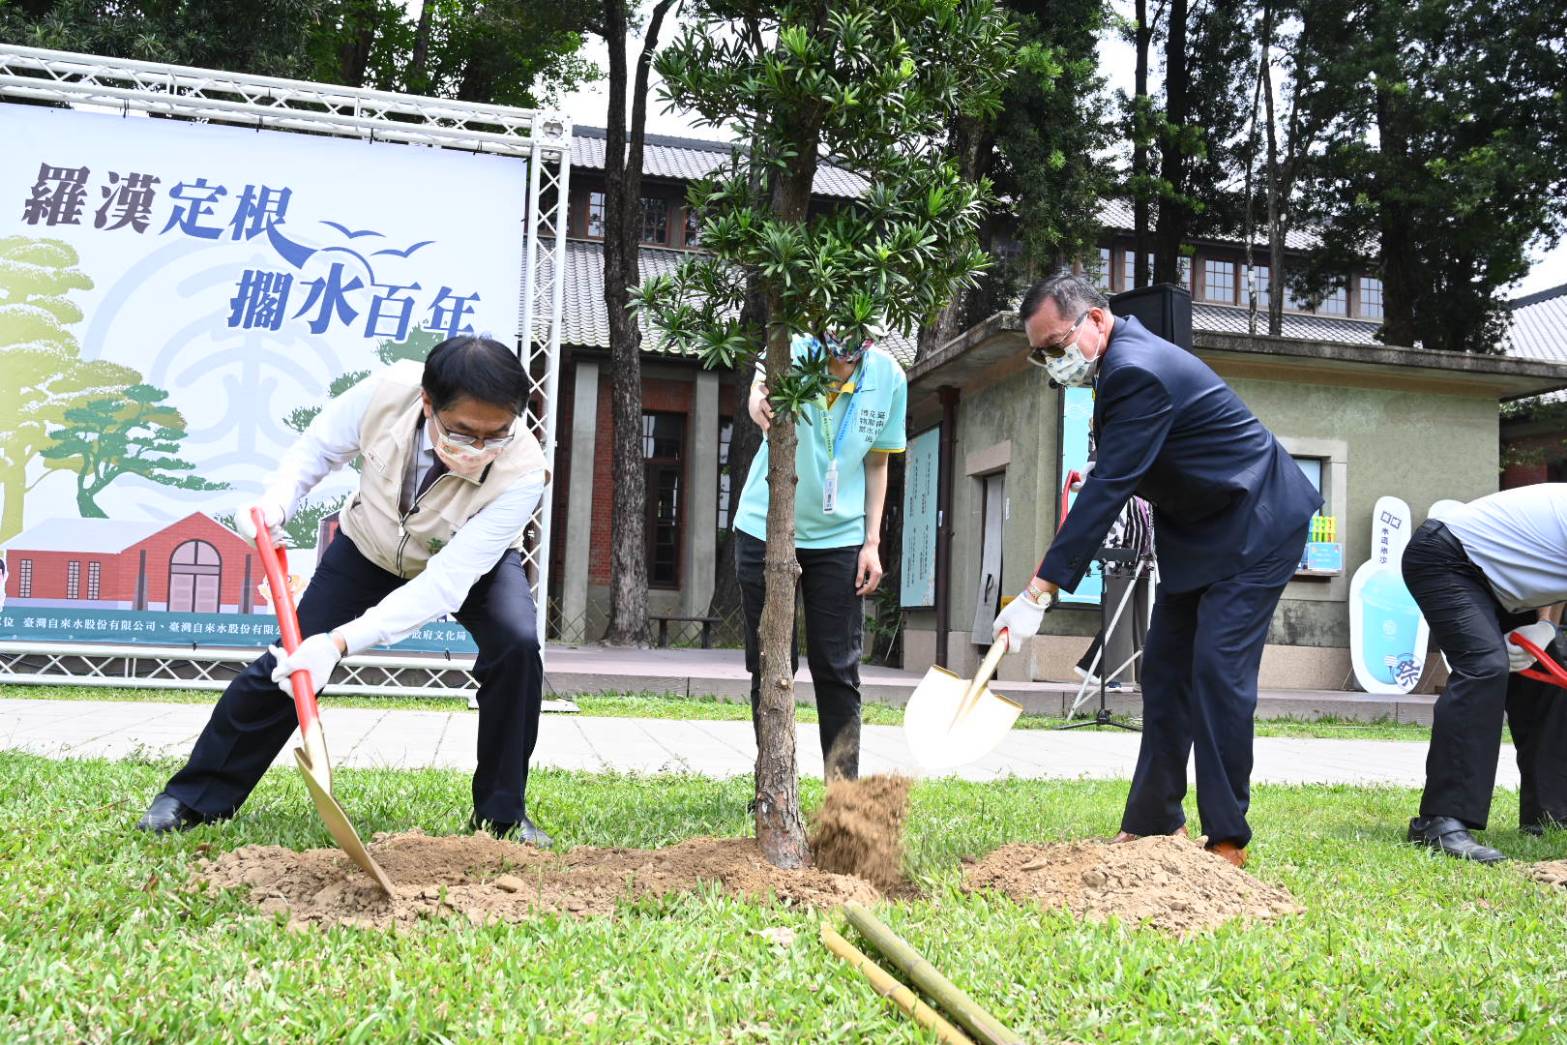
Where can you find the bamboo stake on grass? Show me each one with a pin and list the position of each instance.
(888, 987)
(985, 1027)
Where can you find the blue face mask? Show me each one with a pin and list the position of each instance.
(845, 352)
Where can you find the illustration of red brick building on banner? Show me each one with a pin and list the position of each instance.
(193, 565)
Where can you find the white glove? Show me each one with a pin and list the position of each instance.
(246, 526)
(318, 655)
(1541, 633)
(1021, 618)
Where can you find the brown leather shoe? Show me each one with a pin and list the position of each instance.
(1229, 851)
(1127, 836)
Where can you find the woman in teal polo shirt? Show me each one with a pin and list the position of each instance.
(841, 462)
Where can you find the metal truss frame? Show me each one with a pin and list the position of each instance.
(264, 102)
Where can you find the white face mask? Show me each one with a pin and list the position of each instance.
(1071, 368)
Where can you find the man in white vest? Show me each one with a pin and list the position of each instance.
(450, 479)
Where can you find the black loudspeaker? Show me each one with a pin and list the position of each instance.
(1164, 308)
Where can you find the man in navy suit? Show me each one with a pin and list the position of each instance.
(1231, 512)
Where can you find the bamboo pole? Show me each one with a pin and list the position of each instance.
(888, 987)
(985, 1027)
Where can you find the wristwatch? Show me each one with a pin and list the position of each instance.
(1037, 595)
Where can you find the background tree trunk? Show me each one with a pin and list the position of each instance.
(745, 438)
(419, 61)
(622, 238)
(1141, 276)
(1174, 214)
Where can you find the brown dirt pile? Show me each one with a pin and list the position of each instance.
(1170, 883)
(1548, 872)
(486, 879)
(859, 830)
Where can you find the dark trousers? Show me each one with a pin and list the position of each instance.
(834, 628)
(254, 719)
(1470, 627)
(1200, 692)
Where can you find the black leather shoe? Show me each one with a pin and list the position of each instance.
(522, 831)
(167, 814)
(1448, 835)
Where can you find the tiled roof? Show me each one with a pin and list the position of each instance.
(1539, 329)
(585, 321)
(1115, 213)
(1231, 319)
(665, 156)
(91, 536)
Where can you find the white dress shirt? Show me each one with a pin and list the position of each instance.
(329, 443)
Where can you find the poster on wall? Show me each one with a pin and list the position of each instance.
(177, 301)
(1077, 415)
(920, 520)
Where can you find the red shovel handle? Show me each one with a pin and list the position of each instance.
(1073, 478)
(1549, 670)
(274, 561)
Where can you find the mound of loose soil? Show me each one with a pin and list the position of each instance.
(1549, 872)
(1168, 882)
(859, 830)
(486, 879)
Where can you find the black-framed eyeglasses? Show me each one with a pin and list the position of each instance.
(1042, 356)
(500, 442)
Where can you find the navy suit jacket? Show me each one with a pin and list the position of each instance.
(1225, 493)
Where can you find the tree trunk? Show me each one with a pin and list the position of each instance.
(1275, 217)
(1249, 225)
(418, 64)
(622, 237)
(1144, 35)
(1398, 258)
(780, 828)
(1174, 214)
(354, 54)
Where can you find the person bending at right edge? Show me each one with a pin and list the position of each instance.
(1231, 512)
(1487, 571)
(451, 477)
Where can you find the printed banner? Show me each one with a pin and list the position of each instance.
(917, 572)
(1077, 415)
(177, 301)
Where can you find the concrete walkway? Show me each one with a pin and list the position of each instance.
(721, 673)
(440, 739)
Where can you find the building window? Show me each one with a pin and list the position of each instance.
(596, 215)
(73, 580)
(1129, 268)
(1311, 467)
(195, 570)
(1261, 272)
(1183, 271)
(1218, 281)
(693, 231)
(1336, 303)
(1370, 297)
(662, 435)
(1102, 270)
(1292, 296)
(655, 220)
(24, 579)
(94, 577)
(726, 431)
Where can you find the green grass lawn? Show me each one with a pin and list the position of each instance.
(101, 940)
(677, 706)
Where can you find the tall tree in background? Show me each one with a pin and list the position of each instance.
(1042, 150)
(1207, 56)
(1445, 160)
(622, 275)
(507, 52)
(872, 84)
(1142, 187)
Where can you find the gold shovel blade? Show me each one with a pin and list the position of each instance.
(942, 733)
(338, 824)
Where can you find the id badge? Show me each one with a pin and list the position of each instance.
(830, 490)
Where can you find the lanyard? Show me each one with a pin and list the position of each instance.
(843, 424)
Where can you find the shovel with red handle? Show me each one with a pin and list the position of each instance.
(1548, 671)
(311, 757)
